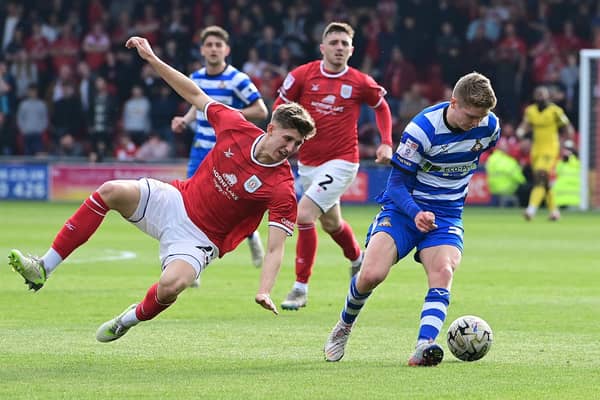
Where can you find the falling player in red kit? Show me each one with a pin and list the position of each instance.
(333, 93)
(201, 218)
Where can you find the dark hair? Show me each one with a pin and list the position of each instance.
(214, 30)
(294, 116)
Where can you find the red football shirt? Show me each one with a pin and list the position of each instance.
(231, 190)
(334, 102)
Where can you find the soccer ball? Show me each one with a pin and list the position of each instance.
(469, 338)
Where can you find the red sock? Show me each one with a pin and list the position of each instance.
(150, 307)
(78, 229)
(345, 238)
(306, 251)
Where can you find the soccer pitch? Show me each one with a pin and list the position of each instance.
(535, 283)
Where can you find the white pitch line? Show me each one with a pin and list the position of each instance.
(113, 255)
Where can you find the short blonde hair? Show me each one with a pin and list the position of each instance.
(475, 90)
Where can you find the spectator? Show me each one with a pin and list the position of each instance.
(567, 187)
(123, 28)
(398, 77)
(102, 115)
(65, 50)
(11, 52)
(149, 25)
(479, 51)
(95, 45)
(37, 46)
(7, 136)
(153, 149)
(25, 73)
(86, 87)
(68, 146)
(569, 79)
(268, 45)
(7, 91)
(412, 103)
(125, 69)
(32, 121)
(254, 67)
(66, 118)
(136, 116)
(504, 176)
(241, 43)
(126, 149)
(486, 19)
(14, 12)
(449, 52)
(163, 108)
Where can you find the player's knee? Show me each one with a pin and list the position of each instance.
(109, 191)
(371, 277)
(169, 290)
(305, 218)
(444, 274)
(331, 227)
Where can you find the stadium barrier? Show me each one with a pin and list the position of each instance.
(56, 181)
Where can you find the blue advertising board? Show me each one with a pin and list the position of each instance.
(23, 182)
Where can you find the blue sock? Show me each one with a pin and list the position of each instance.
(433, 314)
(354, 302)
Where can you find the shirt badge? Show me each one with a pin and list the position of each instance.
(477, 146)
(346, 91)
(385, 222)
(252, 184)
(228, 153)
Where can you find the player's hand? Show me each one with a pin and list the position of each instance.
(425, 221)
(143, 47)
(178, 124)
(265, 301)
(383, 154)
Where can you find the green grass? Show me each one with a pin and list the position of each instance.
(535, 283)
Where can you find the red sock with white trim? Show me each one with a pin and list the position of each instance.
(346, 240)
(150, 307)
(306, 251)
(82, 224)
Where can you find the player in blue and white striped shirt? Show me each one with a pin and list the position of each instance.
(422, 207)
(229, 86)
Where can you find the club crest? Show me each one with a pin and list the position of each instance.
(252, 184)
(477, 146)
(385, 222)
(346, 91)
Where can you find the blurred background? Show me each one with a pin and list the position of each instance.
(70, 54)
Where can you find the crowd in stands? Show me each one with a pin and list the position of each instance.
(68, 86)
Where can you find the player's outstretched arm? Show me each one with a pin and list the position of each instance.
(270, 268)
(256, 111)
(184, 86)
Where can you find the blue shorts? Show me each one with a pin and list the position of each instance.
(403, 230)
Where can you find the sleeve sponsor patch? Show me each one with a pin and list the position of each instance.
(288, 82)
(408, 150)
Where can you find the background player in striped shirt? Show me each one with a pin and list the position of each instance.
(226, 84)
(422, 207)
(200, 218)
(545, 120)
(333, 93)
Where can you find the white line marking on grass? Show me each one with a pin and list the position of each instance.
(109, 255)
